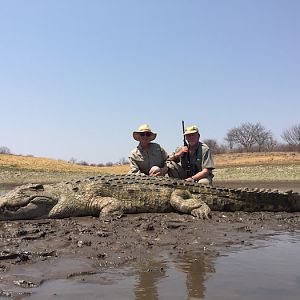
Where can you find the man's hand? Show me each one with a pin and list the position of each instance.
(156, 171)
(190, 179)
(182, 151)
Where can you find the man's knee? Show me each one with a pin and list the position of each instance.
(206, 181)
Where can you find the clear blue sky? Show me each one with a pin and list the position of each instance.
(78, 76)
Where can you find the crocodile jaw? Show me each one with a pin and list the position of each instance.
(34, 208)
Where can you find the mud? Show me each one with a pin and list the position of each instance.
(32, 252)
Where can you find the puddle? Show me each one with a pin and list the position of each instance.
(116, 288)
(270, 269)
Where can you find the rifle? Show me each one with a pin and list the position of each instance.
(186, 156)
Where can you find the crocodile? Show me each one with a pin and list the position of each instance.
(107, 195)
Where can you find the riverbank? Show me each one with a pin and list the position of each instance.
(79, 250)
(244, 167)
(33, 252)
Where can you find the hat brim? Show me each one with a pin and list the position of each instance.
(190, 132)
(136, 135)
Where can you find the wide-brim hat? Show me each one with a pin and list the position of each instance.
(191, 129)
(143, 128)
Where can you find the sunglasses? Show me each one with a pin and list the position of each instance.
(145, 134)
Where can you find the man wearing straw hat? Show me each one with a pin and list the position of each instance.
(192, 162)
(147, 158)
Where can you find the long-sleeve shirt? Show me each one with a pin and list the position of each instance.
(201, 159)
(141, 161)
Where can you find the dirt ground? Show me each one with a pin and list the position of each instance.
(32, 252)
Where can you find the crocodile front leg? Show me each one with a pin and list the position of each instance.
(185, 202)
(202, 212)
(94, 206)
(107, 206)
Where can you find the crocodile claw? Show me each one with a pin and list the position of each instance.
(202, 212)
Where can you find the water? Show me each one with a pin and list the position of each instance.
(268, 270)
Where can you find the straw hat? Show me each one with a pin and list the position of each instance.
(191, 129)
(141, 129)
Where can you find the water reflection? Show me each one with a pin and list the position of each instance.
(167, 277)
(146, 286)
(196, 267)
(269, 270)
(178, 278)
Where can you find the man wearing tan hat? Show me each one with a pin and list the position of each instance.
(147, 158)
(192, 162)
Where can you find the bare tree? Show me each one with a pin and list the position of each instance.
(270, 144)
(247, 136)
(222, 148)
(123, 161)
(292, 136)
(242, 136)
(215, 147)
(230, 138)
(4, 150)
(72, 160)
(211, 143)
(261, 136)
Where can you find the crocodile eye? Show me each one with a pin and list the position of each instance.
(37, 187)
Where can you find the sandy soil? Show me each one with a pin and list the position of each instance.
(32, 252)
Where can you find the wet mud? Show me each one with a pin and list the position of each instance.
(33, 252)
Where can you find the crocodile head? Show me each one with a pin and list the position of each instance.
(26, 202)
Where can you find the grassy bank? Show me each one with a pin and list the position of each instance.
(235, 166)
(258, 166)
(27, 163)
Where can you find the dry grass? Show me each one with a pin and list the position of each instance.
(221, 161)
(276, 166)
(234, 166)
(51, 165)
(254, 159)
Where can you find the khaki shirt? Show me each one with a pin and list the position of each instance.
(201, 159)
(141, 161)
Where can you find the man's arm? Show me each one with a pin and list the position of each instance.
(134, 168)
(202, 174)
(175, 156)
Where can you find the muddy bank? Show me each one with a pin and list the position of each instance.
(32, 252)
